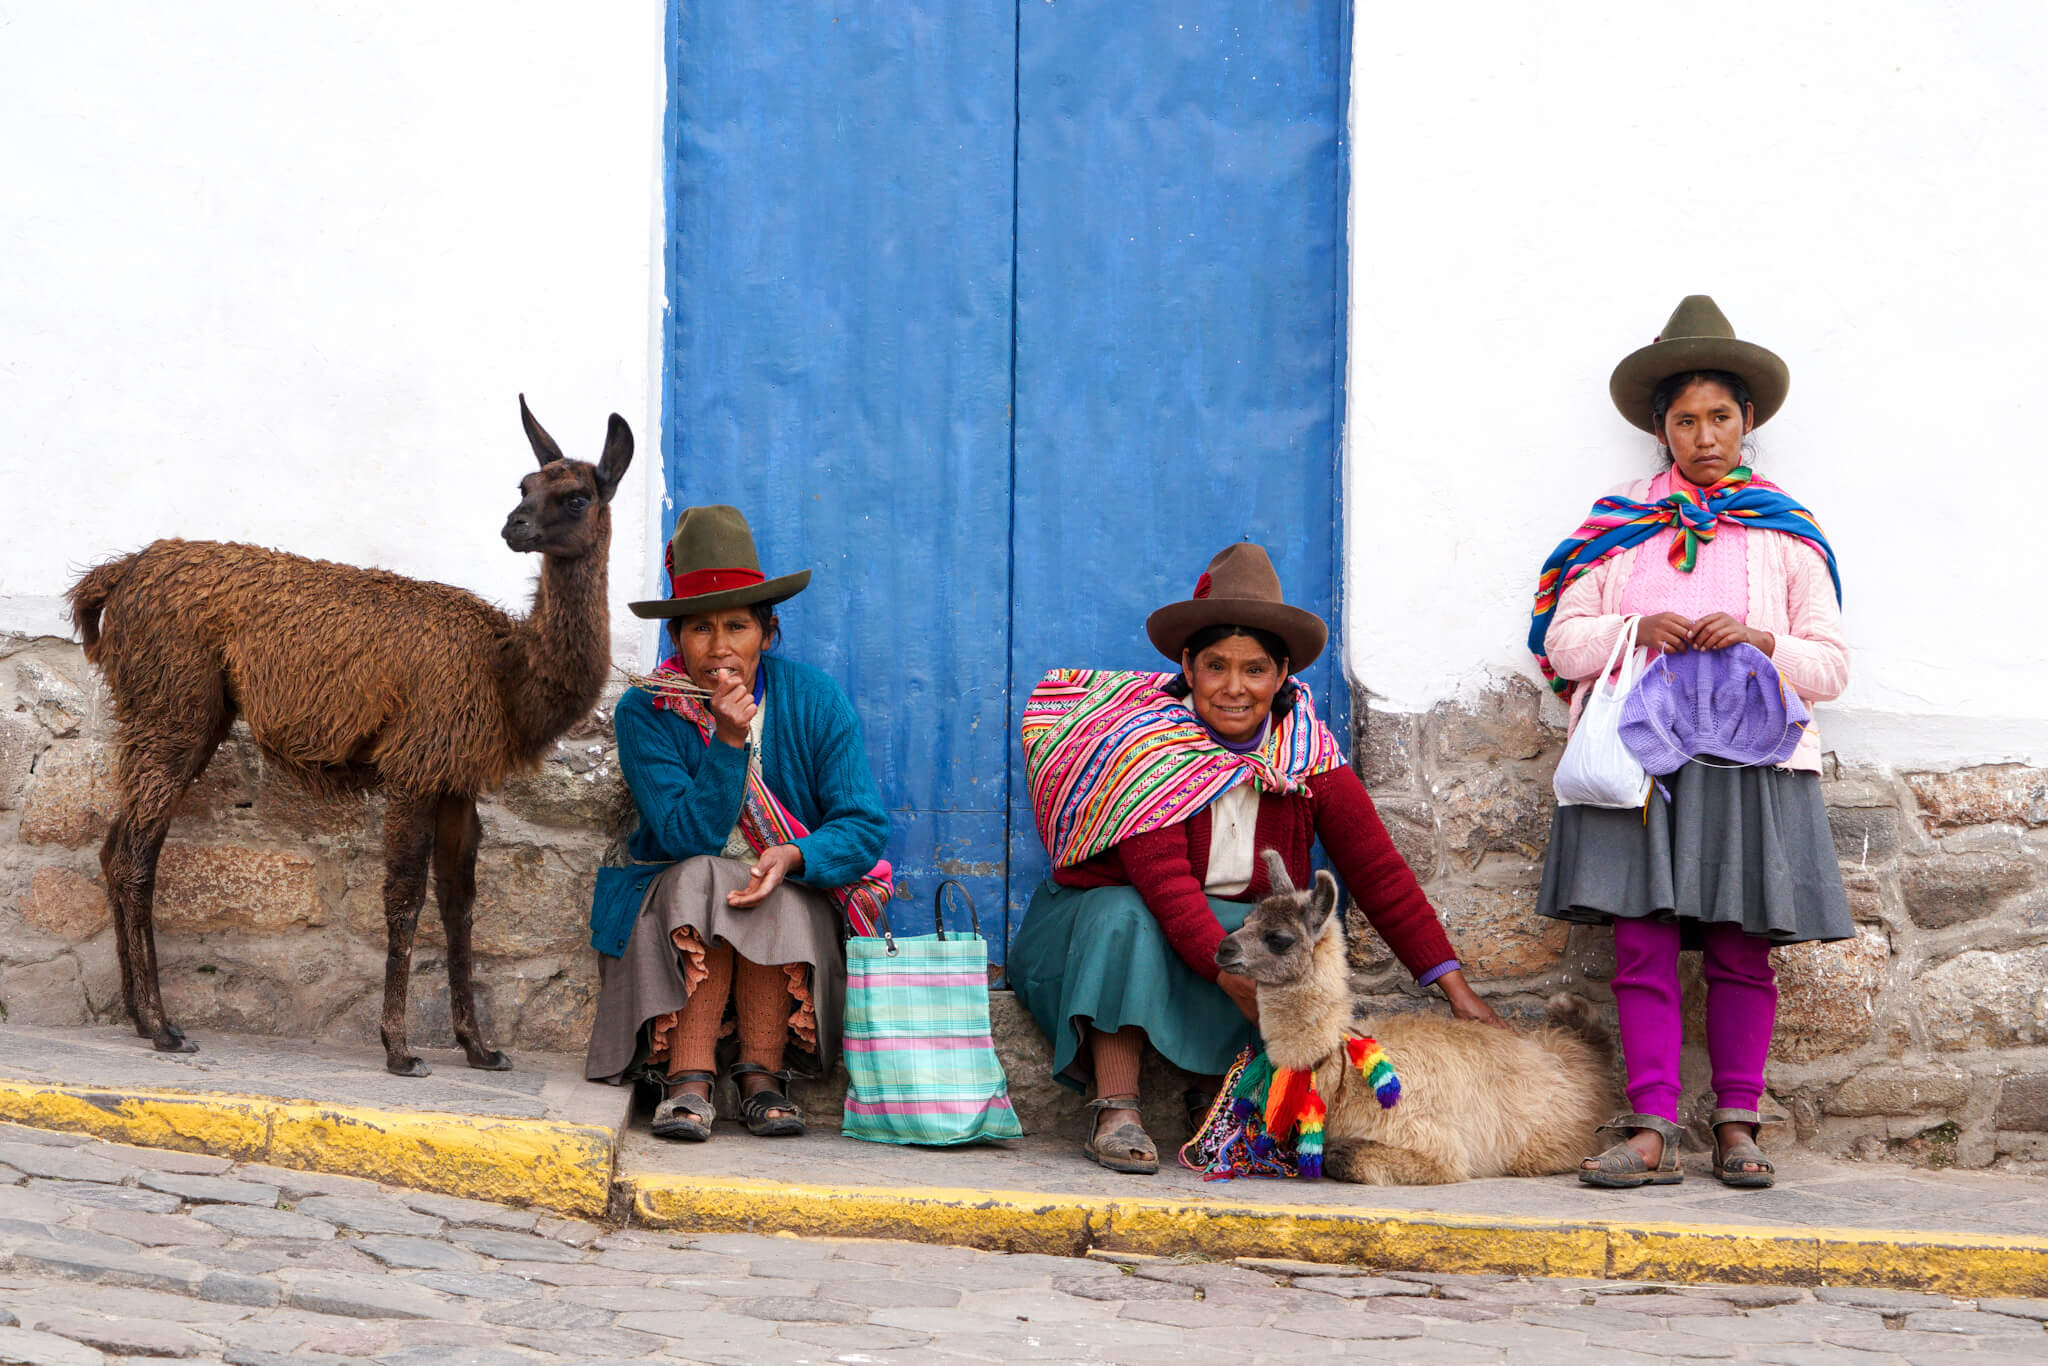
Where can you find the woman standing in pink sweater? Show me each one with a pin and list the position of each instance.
(1729, 859)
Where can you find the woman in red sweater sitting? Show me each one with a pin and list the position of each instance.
(1153, 794)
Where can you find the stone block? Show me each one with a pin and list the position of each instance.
(1865, 834)
(1492, 922)
(208, 887)
(370, 1215)
(128, 1337)
(532, 900)
(1994, 793)
(2023, 1104)
(43, 993)
(1503, 722)
(45, 1349)
(1891, 1090)
(1411, 824)
(1386, 746)
(21, 740)
(58, 702)
(251, 1221)
(1984, 999)
(66, 904)
(226, 785)
(556, 1014)
(578, 787)
(1827, 995)
(363, 1298)
(71, 796)
(1497, 811)
(1948, 889)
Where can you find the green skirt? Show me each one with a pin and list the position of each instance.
(1099, 957)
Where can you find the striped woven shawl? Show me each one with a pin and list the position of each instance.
(1108, 755)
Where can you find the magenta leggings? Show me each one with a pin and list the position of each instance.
(1742, 1006)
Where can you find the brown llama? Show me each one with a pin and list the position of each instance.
(1476, 1101)
(351, 678)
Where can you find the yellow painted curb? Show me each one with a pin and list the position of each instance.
(566, 1167)
(1406, 1240)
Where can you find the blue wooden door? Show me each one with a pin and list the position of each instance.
(1003, 317)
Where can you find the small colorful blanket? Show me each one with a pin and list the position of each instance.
(766, 822)
(1268, 1121)
(1108, 755)
(1617, 523)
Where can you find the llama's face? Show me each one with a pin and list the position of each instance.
(1276, 945)
(562, 508)
(559, 511)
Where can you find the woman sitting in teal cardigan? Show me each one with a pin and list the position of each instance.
(760, 827)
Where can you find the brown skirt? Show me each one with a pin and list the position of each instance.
(683, 911)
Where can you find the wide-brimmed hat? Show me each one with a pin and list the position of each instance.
(1239, 589)
(712, 566)
(1698, 337)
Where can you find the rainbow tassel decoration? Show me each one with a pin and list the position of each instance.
(1274, 1122)
(1378, 1070)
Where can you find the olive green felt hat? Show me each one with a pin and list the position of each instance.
(1240, 588)
(712, 565)
(1698, 337)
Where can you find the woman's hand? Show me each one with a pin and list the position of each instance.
(1465, 1002)
(1719, 630)
(1241, 990)
(776, 863)
(1667, 633)
(732, 707)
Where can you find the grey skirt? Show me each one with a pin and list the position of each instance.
(796, 924)
(1740, 846)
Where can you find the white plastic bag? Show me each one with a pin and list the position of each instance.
(1597, 768)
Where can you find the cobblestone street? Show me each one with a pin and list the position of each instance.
(114, 1252)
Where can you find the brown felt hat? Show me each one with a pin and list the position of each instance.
(1698, 337)
(712, 565)
(1239, 589)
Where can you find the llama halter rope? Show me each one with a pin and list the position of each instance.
(1268, 1121)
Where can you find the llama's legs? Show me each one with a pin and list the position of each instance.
(457, 832)
(1376, 1164)
(408, 846)
(153, 777)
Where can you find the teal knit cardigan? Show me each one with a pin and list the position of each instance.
(688, 791)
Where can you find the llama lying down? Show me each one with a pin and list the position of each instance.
(1474, 1101)
(351, 678)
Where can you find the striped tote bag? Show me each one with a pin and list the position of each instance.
(920, 1064)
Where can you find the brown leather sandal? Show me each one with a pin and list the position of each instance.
(1732, 1162)
(1621, 1167)
(685, 1116)
(1127, 1148)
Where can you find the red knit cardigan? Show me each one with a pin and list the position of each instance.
(1167, 867)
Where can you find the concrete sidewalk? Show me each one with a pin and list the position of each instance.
(541, 1136)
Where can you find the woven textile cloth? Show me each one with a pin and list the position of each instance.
(1108, 755)
(1616, 523)
(921, 1067)
(766, 822)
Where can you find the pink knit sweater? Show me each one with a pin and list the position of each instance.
(1790, 596)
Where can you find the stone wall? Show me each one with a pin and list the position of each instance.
(1925, 1037)
(269, 907)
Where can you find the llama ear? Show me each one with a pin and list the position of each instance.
(543, 445)
(618, 453)
(1276, 871)
(1322, 902)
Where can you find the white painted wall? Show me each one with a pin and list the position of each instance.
(1860, 186)
(277, 272)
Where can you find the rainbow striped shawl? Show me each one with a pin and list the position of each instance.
(766, 822)
(1107, 755)
(1616, 523)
